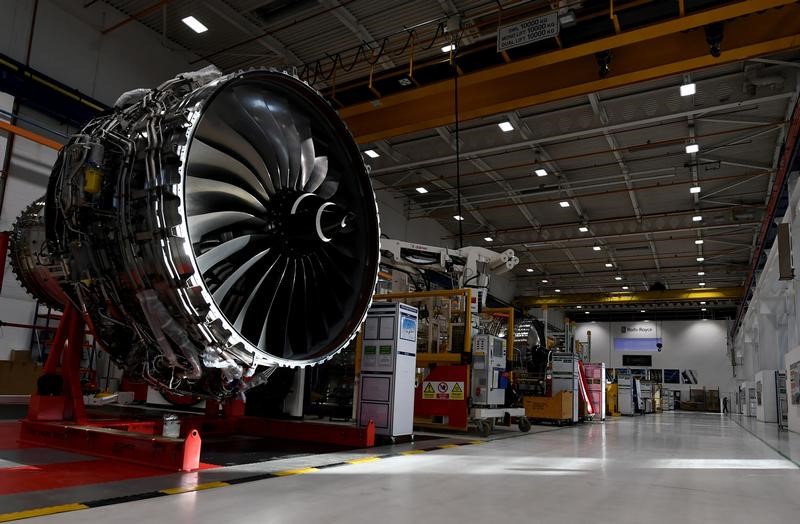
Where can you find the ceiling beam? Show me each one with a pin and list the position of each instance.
(655, 51)
(670, 295)
(244, 25)
(661, 119)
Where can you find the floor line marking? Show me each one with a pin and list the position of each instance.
(39, 512)
(64, 508)
(197, 487)
(364, 460)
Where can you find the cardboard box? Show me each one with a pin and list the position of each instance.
(20, 355)
(557, 407)
(18, 378)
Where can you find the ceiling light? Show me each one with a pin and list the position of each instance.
(609, 264)
(506, 126)
(421, 190)
(458, 217)
(529, 270)
(587, 312)
(701, 284)
(694, 190)
(404, 81)
(448, 48)
(488, 239)
(617, 278)
(688, 89)
(583, 229)
(625, 288)
(692, 148)
(563, 203)
(702, 309)
(643, 311)
(702, 303)
(194, 24)
(699, 242)
(697, 218)
(596, 248)
(701, 273)
(579, 307)
(371, 153)
(558, 291)
(541, 172)
(544, 281)
(700, 259)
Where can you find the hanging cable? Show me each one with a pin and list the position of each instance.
(460, 219)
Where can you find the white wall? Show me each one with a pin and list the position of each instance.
(700, 345)
(794, 409)
(771, 326)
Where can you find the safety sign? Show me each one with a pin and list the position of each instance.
(443, 390)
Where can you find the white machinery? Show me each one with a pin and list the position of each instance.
(629, 393)
(596, 378)
(489, 384)
(566, 377)
(488, 365)
(767, 395)
(388, 369)
(468, 266)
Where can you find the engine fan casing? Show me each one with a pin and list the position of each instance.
(213, 230)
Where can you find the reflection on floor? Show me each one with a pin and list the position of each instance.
(660, 468)
(784, 442)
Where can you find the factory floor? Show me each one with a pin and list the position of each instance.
(672, 467)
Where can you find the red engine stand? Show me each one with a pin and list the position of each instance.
(57, 415)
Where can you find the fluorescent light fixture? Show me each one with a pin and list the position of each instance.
(505, 127)
(558, 291)
(692, 148)
(541, 172)
(617, 278)
(701, 273)
(545, 281)
(579, 307)
(643, 311)
(421, 190)
(563, 203)
(448, 48)
(583, 229)
(701, 284)
(694, 190)
(488, 239)
(587, 312)
(702, 303)
(194, 24)
(697, 218)
(699, 242)
(609, 264)
(688, 89)
(625, 288)
(458, 217)
(700, 259)
(529, 270)
(371, 153)
(702, 309)
(596, 248)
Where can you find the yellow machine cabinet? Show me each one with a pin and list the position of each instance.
(612, 404)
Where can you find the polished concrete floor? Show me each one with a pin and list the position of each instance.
(659, 468)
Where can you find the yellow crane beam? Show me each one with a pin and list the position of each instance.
(752, 28)
(642, 297)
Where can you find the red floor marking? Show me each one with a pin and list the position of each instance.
(52, 476)
(9, 433)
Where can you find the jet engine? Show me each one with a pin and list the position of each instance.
(209, 231)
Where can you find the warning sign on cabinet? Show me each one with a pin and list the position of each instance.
(443, 390)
